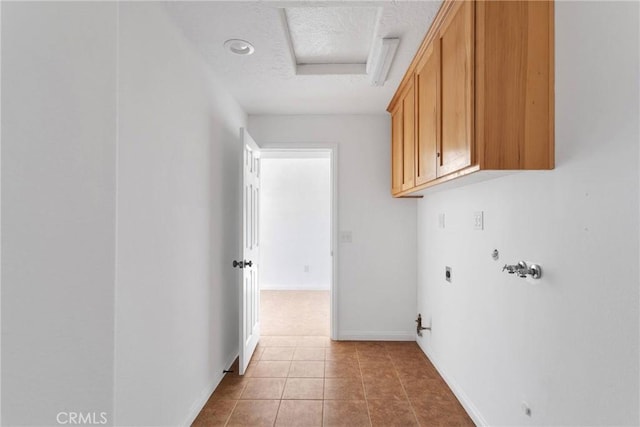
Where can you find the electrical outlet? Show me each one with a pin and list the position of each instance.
(346, 237)
(478, 220)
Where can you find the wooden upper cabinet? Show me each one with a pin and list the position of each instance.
(479, 95)
(403, 142)
(514, 78)
(428, 114)
(409, 134)
(456, 44)
(397, 157)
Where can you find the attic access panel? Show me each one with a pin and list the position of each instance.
(331, 40)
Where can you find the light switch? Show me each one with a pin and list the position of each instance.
(441, 220)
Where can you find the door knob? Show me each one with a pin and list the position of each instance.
(242, 264)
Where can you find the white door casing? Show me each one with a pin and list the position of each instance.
(331, 148)
(250, 285)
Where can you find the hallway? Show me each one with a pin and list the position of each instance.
(125, 130)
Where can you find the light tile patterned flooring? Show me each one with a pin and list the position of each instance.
(294, 312)
(313, 381)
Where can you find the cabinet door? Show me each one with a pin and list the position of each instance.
(456, 46)
(428, 114)
(408, 139)
(397, 160)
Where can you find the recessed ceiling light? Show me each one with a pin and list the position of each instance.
(239, 47)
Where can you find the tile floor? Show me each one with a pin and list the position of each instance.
(313, 381)
(294, 312)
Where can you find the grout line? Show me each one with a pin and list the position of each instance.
(322, 409)
(230, 413)
(413, 411)
(275, 420)
(364, 389)
(324, 385)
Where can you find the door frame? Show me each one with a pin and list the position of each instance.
(332, 149)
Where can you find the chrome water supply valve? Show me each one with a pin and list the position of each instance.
(523, 270)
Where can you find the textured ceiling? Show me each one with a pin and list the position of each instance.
(266, 82)
(331, 35)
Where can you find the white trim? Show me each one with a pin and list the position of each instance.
(374, 36)
(268, 287)
(287, 37)
(1, 219)
(206, 392)
(322, 3)
(295, 154)
(466, 403)
(331, 69)
(333, 149)
(377, 336)
(116, 223)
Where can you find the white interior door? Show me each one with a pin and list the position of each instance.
(250, 286)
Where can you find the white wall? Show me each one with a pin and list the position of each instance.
(376, 272)
(58, 204)
(120, 207)
(295, 223)
(178, 170)
(568, 343)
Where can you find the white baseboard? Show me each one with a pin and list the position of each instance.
(376, 336)
(466, 403)
(206, 393)
(293, 288)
